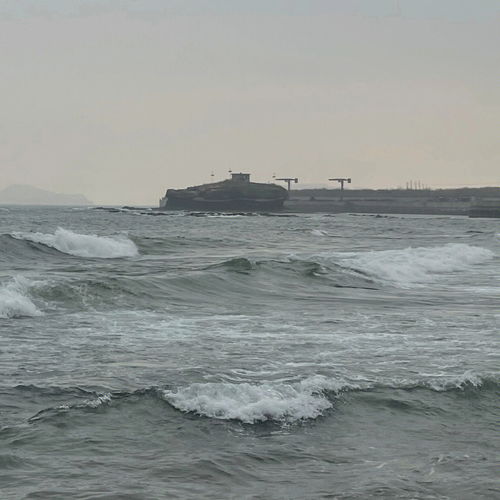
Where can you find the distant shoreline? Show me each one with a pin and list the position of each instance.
(474, 202)
(23, 194)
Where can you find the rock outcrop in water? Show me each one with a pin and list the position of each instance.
(237, 193)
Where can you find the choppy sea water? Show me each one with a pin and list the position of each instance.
(247, 356)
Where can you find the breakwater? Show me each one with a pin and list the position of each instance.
(467, 201)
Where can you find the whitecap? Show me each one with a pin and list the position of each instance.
(84, 245)
(14, 300)
(319, 232)
(252, 403)
(100, 400)
(415, 265)
(439, 382)
(467, 379)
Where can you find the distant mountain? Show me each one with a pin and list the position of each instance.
(22, 194)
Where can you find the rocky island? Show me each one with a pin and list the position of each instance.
(235, 194)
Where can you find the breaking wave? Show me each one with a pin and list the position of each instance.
(319, 232)
(416, 265)
(463, 382)
(14, 300)
(83, 245)
(89, 404)
(251, 403)
(308, 399)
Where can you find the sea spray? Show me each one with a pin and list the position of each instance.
(251, 403)
(413, 265)
(14, 299)
(84, 245)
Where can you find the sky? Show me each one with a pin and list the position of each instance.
(122, 99)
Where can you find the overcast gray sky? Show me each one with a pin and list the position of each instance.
(120, 99)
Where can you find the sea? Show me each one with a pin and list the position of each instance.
(177, 355)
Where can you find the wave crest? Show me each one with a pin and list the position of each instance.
(308, 399)
(464, 382)
(251, 403)
(83, 245)
(416, 265)
(14, 300)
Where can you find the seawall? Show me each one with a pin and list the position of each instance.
(465, 201)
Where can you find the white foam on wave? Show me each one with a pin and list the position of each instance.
(252, 403)
(14, 300)
(467, 379)
(437, 383)
(416, 265)
(281, 402)
(100, 400)
(318, 232)
(84, 245)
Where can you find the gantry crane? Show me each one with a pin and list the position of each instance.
(288, 180)
(341, 180)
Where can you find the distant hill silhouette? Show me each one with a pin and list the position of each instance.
(22, 194)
